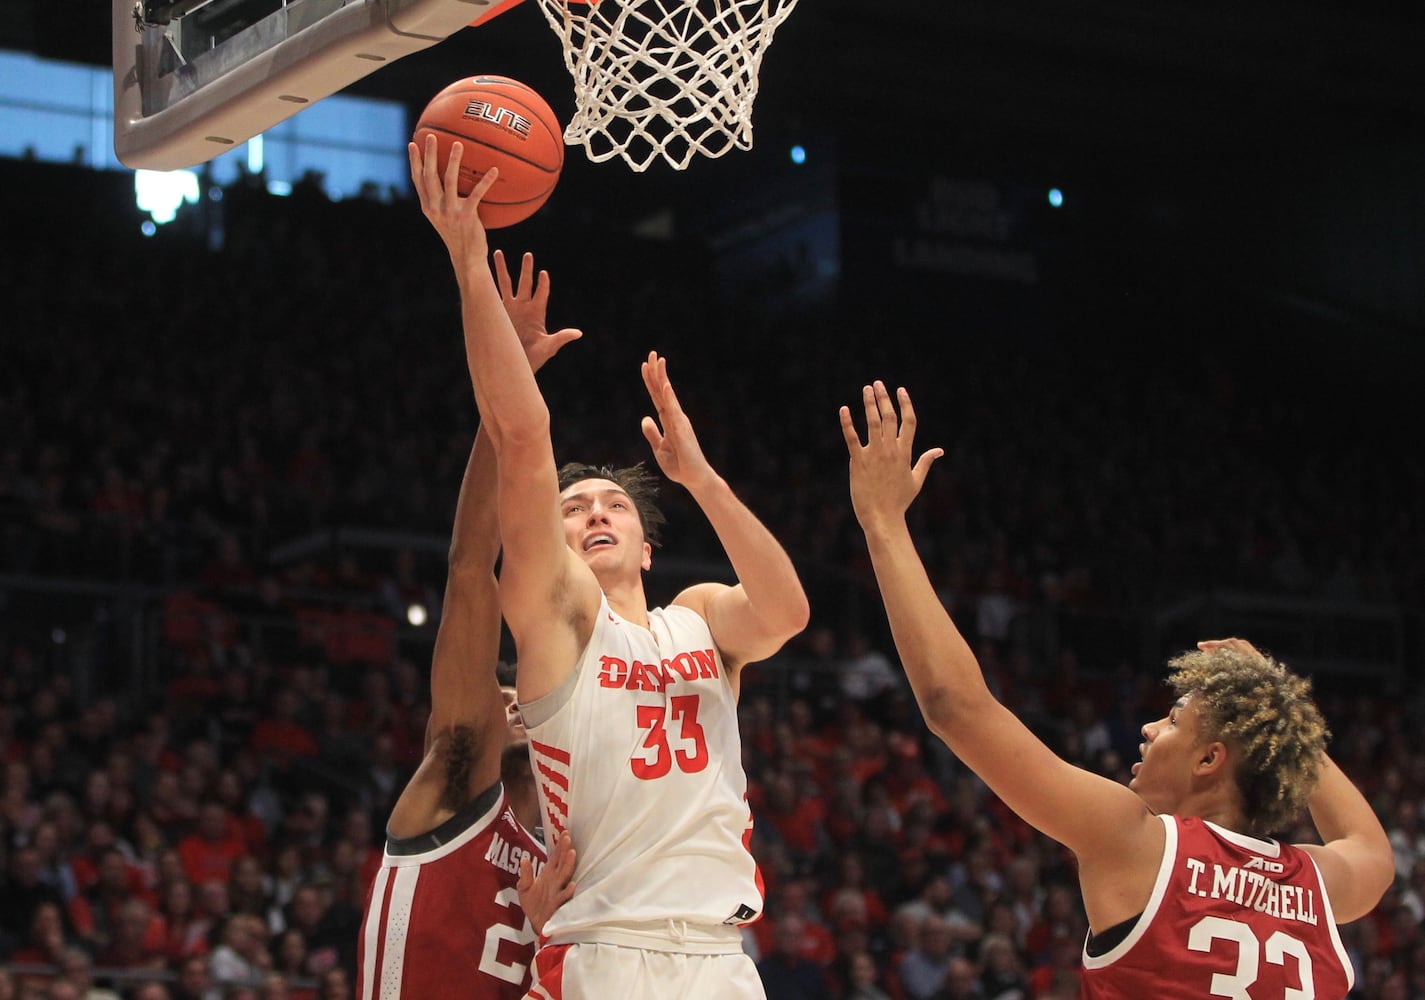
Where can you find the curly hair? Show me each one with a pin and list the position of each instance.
(635, 480)
(1266, 713)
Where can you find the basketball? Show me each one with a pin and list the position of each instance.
(500, 123)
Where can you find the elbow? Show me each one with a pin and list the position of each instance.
(470, 565)
(945, 711)
(798, 614)
(528, 430)
(938, 706)
(1381, 875)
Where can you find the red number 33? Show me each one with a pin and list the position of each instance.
(691, 751)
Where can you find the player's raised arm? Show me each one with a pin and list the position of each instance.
(537, 559)
(467, 723)
(1091, 815)
(768, 606)
(466, 730)
(1356, 860)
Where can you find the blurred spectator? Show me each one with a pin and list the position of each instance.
(864, 979)
(329, 927)
(358, 828)
(1062, 963)
(962, 981)
(1406, 836)
(250, 888)
(137, 939)
(22, 891)
(335, 984)
(186, 928)
(289, 953)
(865, 674)
(209, 851)
(78, 968)
(787, 974)
(1060, 918)
(924, 967)
(195, 982)
(793, 901)
(150, 989)
(241, 957)
(796, 819)
(96, 913)
(18, 806)
(1002, 974)
(45, 942)
(280, 738)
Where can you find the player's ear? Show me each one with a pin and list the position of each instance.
(647, 557)
(1213, 759)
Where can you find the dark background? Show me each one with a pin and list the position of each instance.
(1275, 148)
(1235, 281)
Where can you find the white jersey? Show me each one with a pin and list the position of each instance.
(637, 754)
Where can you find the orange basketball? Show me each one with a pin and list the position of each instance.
(500, 123)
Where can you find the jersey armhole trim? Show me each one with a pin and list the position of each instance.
(1330, 918)
(1145, 919)
(465, 824)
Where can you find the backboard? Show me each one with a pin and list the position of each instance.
(193, 78)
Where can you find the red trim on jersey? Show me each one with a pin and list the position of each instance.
(552, 777)
(557, 777)
(756, 868)
(549, 972)
(551, 751)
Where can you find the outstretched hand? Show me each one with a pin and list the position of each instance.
(527, 303)
(675, 446)
(541, 896)
(456, 217)
(883, 480)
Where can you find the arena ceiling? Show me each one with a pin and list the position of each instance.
(1046, 78)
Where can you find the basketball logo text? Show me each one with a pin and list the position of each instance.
(503, 117)
(639, 676)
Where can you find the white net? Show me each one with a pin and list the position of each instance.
(669, 78)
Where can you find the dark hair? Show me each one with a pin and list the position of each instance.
(640, 485)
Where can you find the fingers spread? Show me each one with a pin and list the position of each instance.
(484, 183)
(848, 430)
(502, 275)
(873, 412)
(452, 165)
(907, 415)
(886, 408)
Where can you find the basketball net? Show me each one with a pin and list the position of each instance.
(669, 78)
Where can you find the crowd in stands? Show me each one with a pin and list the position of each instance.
(198, 815)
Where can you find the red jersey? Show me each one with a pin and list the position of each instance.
(1230, 916)
(443, 918)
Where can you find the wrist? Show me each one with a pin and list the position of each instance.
(707, 487)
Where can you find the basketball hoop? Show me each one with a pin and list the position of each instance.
(669, 78)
